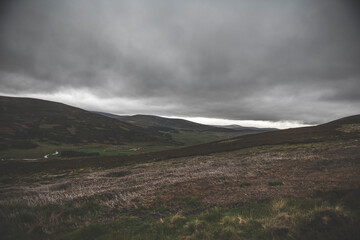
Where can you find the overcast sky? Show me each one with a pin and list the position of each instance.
(272, 60)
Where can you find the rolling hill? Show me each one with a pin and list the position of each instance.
(25, 121)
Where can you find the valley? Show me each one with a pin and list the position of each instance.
(271, 185)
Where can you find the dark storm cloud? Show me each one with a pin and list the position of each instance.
(272, 60)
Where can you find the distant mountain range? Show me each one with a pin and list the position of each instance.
(238, 127)
(151, 121)
(171, 124)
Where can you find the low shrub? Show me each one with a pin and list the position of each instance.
(275, 183)
(244, 184)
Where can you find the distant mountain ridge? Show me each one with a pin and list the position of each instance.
(152, 121)
(156, 121)
(238, 127)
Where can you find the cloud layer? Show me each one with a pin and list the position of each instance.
(260, 60)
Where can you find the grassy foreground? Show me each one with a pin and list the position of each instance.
(330, 215)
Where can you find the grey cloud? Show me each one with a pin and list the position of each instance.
(269, 60)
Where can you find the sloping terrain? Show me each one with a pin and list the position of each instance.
(291, 184)
(23, 120)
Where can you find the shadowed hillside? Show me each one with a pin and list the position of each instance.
(25, 119)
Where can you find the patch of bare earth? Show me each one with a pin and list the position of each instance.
(213, 179)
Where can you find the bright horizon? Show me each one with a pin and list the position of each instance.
(244, 123)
